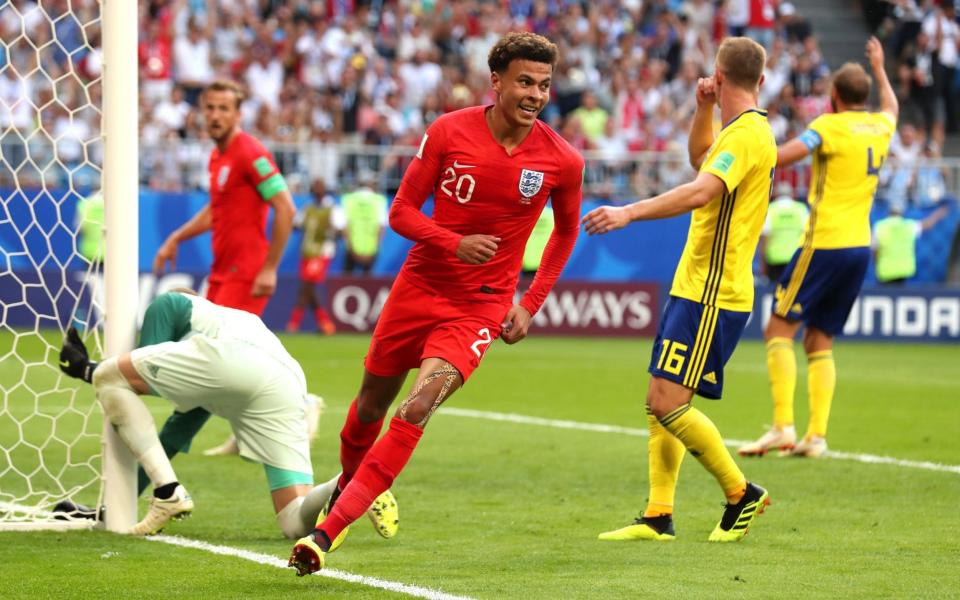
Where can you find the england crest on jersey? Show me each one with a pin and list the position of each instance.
(222, 176)
(530, 182)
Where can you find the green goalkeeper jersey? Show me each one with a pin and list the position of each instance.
(167, 319)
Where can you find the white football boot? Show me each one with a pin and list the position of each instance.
(774, 439)
(811, 446)
(162, 511)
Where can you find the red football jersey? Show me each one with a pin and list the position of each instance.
(240, 179)
(480, 189)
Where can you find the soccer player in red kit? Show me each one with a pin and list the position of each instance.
(244, 184)
(490, 170)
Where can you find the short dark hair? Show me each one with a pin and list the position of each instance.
(227, 85)
(742, 60)
(521, 45)
(852, 83)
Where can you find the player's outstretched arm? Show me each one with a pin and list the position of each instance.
(794, 150)
(167, 253)
(680, 200)
(888, 99)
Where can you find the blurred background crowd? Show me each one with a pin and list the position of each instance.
(336, 83)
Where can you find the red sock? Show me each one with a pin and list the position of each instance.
(376, 474)
(356, 439)
(296, 317)
(321, 315)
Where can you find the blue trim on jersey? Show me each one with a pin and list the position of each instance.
(811, 139)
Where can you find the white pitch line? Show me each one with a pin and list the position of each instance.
(601, 428)
(272, 561)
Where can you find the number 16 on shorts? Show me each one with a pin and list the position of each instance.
(672, 356)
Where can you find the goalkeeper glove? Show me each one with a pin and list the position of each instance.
(74, 360)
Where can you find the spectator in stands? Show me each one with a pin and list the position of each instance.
(923, 91)
(763, 16)
(156, 60)
(191, 61)
(737, 14)
(172, 112)
(592, 117)
(795, 27)
(940, 27)
(930, 185)
(264, 77)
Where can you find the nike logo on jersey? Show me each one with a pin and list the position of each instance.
(457, 165)
(64, 363)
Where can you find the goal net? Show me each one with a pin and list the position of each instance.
(51, 259)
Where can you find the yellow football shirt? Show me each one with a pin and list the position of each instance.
(716, 268)
(848, 150)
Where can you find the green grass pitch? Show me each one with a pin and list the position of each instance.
(506, 510)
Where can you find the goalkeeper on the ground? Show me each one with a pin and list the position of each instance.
(197, 354)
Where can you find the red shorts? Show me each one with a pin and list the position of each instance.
(417, 324)
(314, 269)
(236, 294)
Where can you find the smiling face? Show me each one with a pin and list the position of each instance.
(522, 91)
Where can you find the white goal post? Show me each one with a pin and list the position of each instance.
(55, 445)
(121, 265)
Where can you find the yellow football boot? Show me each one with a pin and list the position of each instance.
(659, 529)
(738, 517)
(385, 515)
(306, 557)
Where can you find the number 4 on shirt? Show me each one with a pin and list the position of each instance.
(871, 168)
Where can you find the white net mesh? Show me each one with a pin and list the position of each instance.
(50, 248)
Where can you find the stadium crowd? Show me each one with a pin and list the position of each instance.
(323, 76)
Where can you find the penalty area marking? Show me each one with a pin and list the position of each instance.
(636, 432)
(272, 561)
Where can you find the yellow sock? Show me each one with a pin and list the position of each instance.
(782, 366)
(821, 381)
(701, 437)
(665, 453)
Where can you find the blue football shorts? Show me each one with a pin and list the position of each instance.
(694, 342)
(819, 287)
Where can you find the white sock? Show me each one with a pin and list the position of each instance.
(289, 520)
(133, 422)
(299, 516)
(315, 500)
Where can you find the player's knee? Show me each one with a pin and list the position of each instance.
(417, 408)
(660, 401)
(816, 340)
(107, 379)
(370, 409)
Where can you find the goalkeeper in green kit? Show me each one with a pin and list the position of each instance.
(197, 354)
